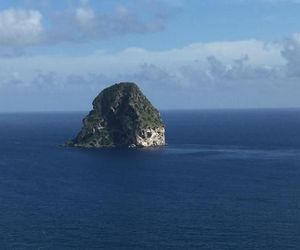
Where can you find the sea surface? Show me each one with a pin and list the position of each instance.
(227, 180)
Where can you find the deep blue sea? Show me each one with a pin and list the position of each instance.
(227, 180)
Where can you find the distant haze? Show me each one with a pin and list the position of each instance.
(184, 54)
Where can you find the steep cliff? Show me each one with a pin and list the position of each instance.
(121, 116)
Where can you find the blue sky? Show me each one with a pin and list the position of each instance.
(184, 54)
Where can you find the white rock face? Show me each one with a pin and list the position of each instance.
(151, 137)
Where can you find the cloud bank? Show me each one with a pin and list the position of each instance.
(249, 71)
(20, 27)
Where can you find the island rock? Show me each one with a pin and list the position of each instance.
(121, 116)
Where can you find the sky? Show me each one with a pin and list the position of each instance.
(57, 55)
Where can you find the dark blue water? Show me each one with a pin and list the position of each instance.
(227, 180)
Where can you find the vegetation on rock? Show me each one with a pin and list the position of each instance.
(121, 116)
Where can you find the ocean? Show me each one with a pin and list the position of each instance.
(226, 180)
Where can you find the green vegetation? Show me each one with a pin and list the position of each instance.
(119, 113)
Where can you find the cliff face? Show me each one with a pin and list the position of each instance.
(121, 116)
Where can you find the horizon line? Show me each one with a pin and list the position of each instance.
(160, 110)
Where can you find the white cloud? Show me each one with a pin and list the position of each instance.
(20, 27)
(85, 15)
(80, 23)
(190, 66)
(291, 53)
(84, 24)
(251, 71)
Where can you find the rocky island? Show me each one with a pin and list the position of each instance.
(122, 116)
